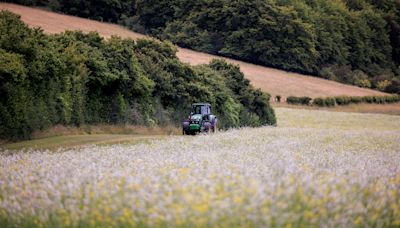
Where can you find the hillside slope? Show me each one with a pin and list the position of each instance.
(275, 82)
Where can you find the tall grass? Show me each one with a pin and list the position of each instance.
(308, 171)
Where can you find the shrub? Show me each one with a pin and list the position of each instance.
(368, 99)
(324, 102)
(345, 100)
(342, 100)
(363, 83)
(379, 99)
(356, 100)
(394, 98)
(319, 102)
(330, 101)
(298, 100)
(382, 85)
(387, 99)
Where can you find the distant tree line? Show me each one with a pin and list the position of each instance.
(350, 41)
(74, 78)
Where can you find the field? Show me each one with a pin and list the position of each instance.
(273, 81)
(390, 109)
(316, 168)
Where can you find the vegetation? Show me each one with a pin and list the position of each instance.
(315, 168)
(345, 100)
(74, 78)
(298, 100)
(72, 141)
(324, 102)
(350, 41)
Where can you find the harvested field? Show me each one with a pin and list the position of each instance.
(390, 109)
(273, 81)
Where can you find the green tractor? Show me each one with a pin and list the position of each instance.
(200, 120)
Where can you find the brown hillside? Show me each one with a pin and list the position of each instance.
(270, 80)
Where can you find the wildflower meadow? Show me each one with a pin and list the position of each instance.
(315, 168)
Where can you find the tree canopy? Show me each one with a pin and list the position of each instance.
(350, 41)
(75, 78)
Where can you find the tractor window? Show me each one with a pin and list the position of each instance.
(205, 110)
(197, 110)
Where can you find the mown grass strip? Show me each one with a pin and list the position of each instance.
(69, 141)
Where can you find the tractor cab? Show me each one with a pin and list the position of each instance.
(201, 108)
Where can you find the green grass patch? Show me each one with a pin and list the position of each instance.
(69, 141)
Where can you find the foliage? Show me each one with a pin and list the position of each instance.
(298, 100)
(74, 78)
(315, 37)
(324, 102)
(345, 100)
(102, 10)
(350, 41)
(359, 42)
(342, 100)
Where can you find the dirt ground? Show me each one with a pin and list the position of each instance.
(273, 81)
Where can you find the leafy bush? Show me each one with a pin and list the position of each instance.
(298, 100)
(356, 100)
(319, 102)
(330, 101)
(324, 102)
(392, 99)
(368, 99)
(345, 100)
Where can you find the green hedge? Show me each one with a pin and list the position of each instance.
(345, 100)
(324, 102)
(298, 100)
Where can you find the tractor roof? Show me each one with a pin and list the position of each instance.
(200, 104)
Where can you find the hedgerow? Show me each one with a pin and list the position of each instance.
(346, 100)
(343, 100)
(75, 78)
(298, 100)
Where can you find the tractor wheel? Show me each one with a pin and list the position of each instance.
(215, 128)
(207, 127)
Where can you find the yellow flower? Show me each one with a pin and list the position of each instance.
(308, 214)
(201, 207)
(358, 220)
(67, 221)
(238, 199)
